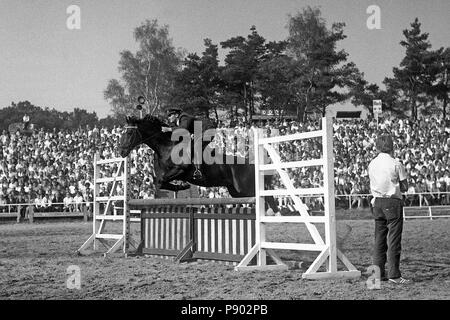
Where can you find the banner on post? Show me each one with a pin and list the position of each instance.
(377, 109)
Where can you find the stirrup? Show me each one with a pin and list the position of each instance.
(197, 174)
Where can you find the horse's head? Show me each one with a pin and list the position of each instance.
(138, 131)
(131, 137)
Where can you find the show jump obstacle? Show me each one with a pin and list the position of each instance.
(183, 229)
(329, 253)
(232, 230)
(189, 229)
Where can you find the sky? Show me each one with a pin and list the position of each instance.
(44, 62)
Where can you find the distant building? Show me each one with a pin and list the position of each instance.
(265, 117)
(271, 115)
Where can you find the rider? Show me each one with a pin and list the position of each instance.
(179, 119)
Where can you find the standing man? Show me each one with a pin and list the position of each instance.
(387, 180)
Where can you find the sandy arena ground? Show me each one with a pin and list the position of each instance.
(34, 261)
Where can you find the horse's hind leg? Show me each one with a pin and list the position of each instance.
(172, 174)
(232, 191)
(272, 204)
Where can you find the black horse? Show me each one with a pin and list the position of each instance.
(238, 178)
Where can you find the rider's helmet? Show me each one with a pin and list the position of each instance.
(174, 110)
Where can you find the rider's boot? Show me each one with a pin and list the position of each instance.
(198, 153)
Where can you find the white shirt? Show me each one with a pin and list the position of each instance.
(38, 202)
(385, 173)
(78, 199)
(411, 190)
(67, 201)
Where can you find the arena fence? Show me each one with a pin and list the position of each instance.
(423, 205)
(427, 212)
(29, 211)
(421, 199)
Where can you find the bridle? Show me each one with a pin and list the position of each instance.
(136, 131)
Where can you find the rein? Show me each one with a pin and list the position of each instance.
(139, 133)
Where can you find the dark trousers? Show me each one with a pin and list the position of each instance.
(388, 214)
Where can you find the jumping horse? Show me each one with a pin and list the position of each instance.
(238, 177)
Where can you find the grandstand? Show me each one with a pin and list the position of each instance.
(50, 167)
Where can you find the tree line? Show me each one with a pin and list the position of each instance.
(49, 119)
(300, 75)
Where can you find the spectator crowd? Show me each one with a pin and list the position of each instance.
(54, 169)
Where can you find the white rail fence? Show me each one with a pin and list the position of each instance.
(7, 208)
(426, 212)
(421, 198)
(283, 201)
(30, 211)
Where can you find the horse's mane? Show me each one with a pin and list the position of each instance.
(148, 120)
(154, 121)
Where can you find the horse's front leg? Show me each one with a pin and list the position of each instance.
(271, 203)
(174, 187)
(173, 174)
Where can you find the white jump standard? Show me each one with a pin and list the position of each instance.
(122, 240)
(329, 253)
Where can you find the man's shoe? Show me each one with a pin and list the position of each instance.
(399, 280)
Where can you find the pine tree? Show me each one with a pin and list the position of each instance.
(413, 79)
(196, 86)
(441, 89)
(241, 69)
